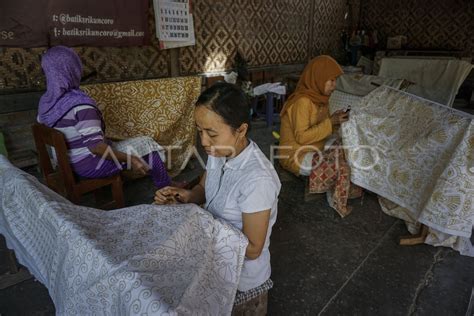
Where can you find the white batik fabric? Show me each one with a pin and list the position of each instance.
(139, 146)
(141, 260)
(342, 101)
(361, 85)
(351, 88)
(419, 155)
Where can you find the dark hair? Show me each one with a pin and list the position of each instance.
(227, 100)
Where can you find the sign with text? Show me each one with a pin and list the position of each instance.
(172, 20)
(176, 44)
(174, 23)
(26, 23)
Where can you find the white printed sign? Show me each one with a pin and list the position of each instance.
(173, 21)
(176, 44)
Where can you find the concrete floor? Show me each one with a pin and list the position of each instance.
(323, 264)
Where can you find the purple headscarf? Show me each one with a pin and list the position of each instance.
(63, 70)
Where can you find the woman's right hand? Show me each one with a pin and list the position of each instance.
(172, 195)
(339, 117)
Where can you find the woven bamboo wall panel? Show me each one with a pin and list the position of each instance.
(433, 24)
(265, 32)
(328, 17)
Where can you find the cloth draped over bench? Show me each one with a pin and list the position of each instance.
(351, 88)
(145, 259)
(419, 155)
(437, 80)
(159, 108)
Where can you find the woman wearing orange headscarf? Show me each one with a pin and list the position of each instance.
(306, 126)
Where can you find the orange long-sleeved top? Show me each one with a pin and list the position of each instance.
(304, 124)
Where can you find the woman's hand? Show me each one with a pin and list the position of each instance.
(172, 195)
(339, 117)
(139, 165)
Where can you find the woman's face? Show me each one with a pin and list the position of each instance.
(329, 87)
(217, 138)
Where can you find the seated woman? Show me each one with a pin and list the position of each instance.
(68, 109)
(240, 184)
(306, 126)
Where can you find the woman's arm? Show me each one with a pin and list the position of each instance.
(305, 133)
(89, 126)
(255, 227)
(198, 193)
(104, 151)
(256, 201)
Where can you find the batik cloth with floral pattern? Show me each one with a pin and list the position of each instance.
(140, 260)
(418, 155)
(331, 173)
(162, 109)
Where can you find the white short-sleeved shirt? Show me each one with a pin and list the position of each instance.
(247, 183)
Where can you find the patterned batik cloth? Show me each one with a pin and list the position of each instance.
(351, 88)
(140, 260)
(419, 155)
(331, 173)
(162, 109)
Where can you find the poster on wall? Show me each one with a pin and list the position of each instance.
(174, 23)
(25, 23)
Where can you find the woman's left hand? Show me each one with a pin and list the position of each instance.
(139, 165)
(171, 195)
(339, 117)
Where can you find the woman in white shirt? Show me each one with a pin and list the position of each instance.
(240, 184)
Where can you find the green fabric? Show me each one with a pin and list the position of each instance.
(3, 149)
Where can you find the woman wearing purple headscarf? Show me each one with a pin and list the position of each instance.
(68, 109)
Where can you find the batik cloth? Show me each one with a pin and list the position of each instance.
(140, 260)
(419, 155)
(331, 174)
(162, 109)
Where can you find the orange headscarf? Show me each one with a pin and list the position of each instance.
(312, 81)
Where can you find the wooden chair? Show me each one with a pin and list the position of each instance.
(63, 180)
